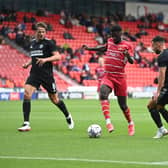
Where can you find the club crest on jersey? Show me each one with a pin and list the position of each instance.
(41, 46)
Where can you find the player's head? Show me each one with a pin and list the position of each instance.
(41, 29)
(116, 32)
(158, 44)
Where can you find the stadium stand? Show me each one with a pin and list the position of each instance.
(11, 59)
(11, 69)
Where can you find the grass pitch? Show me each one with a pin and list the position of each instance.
(51, 145)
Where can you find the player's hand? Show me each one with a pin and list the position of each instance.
(126, 53)
(129, 58)
(25, 66)
(85, 47)
(41, 61)
(155, 97)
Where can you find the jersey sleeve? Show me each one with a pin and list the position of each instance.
(163, 60)
(52, 46)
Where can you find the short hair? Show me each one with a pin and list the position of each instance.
(158, 39)
(41, 24)
(116, 28)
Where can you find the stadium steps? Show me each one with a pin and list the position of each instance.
(65, 78)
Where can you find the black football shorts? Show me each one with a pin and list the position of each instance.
(163, 97)
(48, 83)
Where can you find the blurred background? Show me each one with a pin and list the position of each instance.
(71, 24)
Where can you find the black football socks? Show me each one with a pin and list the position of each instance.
(164, 113)
(61, 105)
(26, 109)
(156, 117)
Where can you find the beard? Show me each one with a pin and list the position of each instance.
(117, 40)
(157, 51)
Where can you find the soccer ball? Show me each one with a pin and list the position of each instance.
(94, 131)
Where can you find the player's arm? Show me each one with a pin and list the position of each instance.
(100, 48)
(161, 79)
(55, 57)
(129, 57)
(27, 64)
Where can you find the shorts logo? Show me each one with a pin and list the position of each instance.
(53, 87)
(164, 89)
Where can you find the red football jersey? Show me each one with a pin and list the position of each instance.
(114, 59)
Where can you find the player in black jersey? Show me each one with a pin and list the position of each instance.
(156, 106)
(43, 52)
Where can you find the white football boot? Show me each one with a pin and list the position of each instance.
(25, 127)
(70, 122)
(160, 133)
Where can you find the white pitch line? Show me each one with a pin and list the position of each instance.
(164, 163)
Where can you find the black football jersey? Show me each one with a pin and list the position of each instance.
(163, 62)
(42, 49)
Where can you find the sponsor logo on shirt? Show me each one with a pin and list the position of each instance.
(36, 53)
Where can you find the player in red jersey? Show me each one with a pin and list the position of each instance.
(115, 58)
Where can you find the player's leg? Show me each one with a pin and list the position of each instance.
(154, 110)
(120, 90)
(161, 102)
(122, 101)
(164, 114)
(29, 90)
(50, 86)
(105, 105)
(163, 111)
(61, 105)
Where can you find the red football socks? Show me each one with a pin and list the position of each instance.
(105, 108)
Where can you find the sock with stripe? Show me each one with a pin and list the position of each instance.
(105, 105)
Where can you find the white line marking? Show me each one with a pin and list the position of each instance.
(164, 163)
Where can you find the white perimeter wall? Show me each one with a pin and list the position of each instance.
(131, 8)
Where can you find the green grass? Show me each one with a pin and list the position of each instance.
(50, 144)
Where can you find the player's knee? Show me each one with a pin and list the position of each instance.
(152, 104)
(123, 107)
(103, 97)
(153, 110)
(54, 98)
(27, 95)
(148, 107)
(55, 101)
(104, 92)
